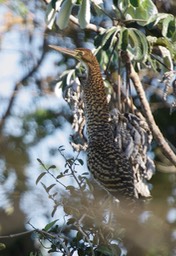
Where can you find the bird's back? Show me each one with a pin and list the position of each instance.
(110, 166)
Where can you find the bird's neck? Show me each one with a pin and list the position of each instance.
(95, 103)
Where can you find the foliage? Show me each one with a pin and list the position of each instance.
(88, 227)
(148, 36)
(93, 223)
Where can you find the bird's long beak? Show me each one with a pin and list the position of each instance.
(69, 52)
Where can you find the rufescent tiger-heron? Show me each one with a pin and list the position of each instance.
(107, 163)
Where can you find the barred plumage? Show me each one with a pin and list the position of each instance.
(106, 160)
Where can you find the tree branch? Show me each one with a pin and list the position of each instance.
(17, 86)
(17, 235)
(75, 21)
(90, 26)
(149, 117)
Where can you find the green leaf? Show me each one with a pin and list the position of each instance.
(52, 167)
(104, 249)
(124, 40)
(51, 12)
(70, 188)
(166, 23)
(85, 173)
(54, 210)
(2, 246)
(79, 236)
(149, 7)
(135, 3)
(61, 148)
(40, 177)
(135, 9)
(106, 38)
(55, 194)
(50, 225)
(80, 161)
(60, 176)
(84, 13)
(50, 187)
(97, 8)
(64, 14)
(40, 161)
(71, 221)
(138, 45)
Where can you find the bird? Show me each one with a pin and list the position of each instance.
(106, 161)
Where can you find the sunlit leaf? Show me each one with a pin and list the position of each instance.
(155, 19)
(138, 45)
(107, 35)
(64, 14)
(2, 246)
(97, 7)
(166, 23)
(51, 11)
(50, 225)
(84, 13)
(135, 9)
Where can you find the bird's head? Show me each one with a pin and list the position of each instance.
(83, 55)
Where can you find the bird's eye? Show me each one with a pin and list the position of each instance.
(80, 54)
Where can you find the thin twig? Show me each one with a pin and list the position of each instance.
(71, 167)
(52, 236)
(79, 228)
(17, 234)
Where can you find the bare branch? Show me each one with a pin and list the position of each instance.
(149, 117)
(90, 26)
(165, 169)
(17, 235)
(17, 86)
